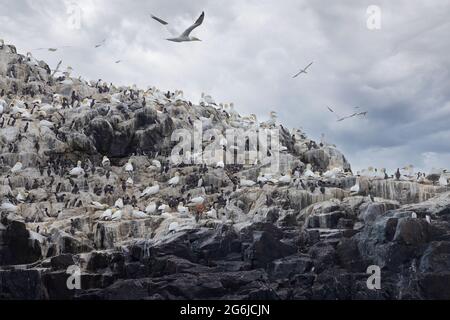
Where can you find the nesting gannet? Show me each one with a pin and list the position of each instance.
(129, 167)
(285, 179)
(220, 164)
(17, 167)
(105, 162)
(117, 216)
(197, 200)
(173, 227)
(355, 188)
(151, 208)
(302, 71)
(136, 214)
(443, 182)
(332, 173)
(212, 214)
(151, 190)
(185, 35)
(182, 209)
(77, 171)
(155, 164)
(106, 215)
(262, 178)
(414, 215)
(8, 207)
(308, 172)
(119, 203)
(175, 180)
(428, 219)
(129, 182)
(98, 205)
(21, 196)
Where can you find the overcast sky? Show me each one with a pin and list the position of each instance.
(249, 52)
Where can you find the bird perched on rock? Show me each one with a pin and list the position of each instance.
(129, 167)
(175, 180)
(17, 167)
(77, 171)
(106, 163)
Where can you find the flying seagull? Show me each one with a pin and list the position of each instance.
(185, 35)
(100, 44)
(354, 114)
(302, 71)
(53, 49)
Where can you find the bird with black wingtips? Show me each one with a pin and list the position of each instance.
(185, 36)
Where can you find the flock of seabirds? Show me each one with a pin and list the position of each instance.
(114, 193)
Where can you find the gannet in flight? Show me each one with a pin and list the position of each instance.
(54, 49)
(302, 71)
(354, 114)
(100, 44)
(185, 35)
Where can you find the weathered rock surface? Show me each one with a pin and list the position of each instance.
(308, 238)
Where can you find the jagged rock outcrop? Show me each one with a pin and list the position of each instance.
(301, 233)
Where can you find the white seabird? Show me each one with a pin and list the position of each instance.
(77, 171)
(173, 227)
(17, 167)
(185, 36)
(151, 190)
(8, 207)
(175, 180)
(136, 214)
(117, 216)
(197, 200)
(302, 71)
(129, 167)
(118, 203)
(355, 188)
(106, 215)
(151, 208)
(106, 162)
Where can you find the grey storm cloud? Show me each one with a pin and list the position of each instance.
(251, 49)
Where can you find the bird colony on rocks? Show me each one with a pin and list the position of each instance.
(86, 181)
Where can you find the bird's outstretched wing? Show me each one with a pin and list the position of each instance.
(57, 68)
(159, 20)
(309, 65)
(100, 44)
(299, 73)
(195, 25)
(339, 118)
(347, 117)
(166, 24)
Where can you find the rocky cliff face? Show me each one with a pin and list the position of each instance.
(308, 238)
